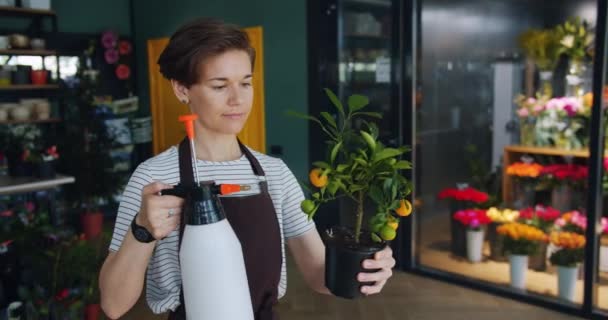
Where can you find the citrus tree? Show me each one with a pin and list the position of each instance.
(359, 167)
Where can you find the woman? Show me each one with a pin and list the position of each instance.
(210, 65)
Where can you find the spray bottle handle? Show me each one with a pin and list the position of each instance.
(178, 191)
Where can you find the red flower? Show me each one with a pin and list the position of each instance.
(466, 194)
(548, 214)
(124, 47)
(572, 172)
(62, 294)
(123, 72)
(606, 164)
(6, 214)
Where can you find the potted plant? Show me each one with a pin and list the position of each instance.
(17, 143)
(544, 49)
(91, 164)
(567, 182)
(526, 173)
(567, 258)
(528, 111)
(521, 240)
(360, 168)
(498, 217)
(461, 197)
(576, 40)
(543, 218)
(474, 220)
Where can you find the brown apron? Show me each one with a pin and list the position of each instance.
(255, 223)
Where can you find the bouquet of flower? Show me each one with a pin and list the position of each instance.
(542, 46)
(464, 194)
(502, 216)
(525, 170)
(571, 249)
(472, 218)
(521, 239)
(565, 174)
(529, 107)
(575, 221)
(540, 216)
(575, 38)
(561, 122)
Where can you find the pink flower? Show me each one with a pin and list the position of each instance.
(523, 112)
(474, 223)
(555, 104)
(6, 214)
(109, 39)
(29, 206)
(560, 222)
(605, 225)
(538, 108)
(111, 56)
(531, 100)
(606, 164)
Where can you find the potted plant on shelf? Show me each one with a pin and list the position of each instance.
(498, 217)
(526, 173)
(567, 258)
(567, 182)
(17, 143)
(360, 168)
(462, 197)
(91, 164)
(528, 111)
(521, 241)
(474, 220)
(576, 40)
(544, 49)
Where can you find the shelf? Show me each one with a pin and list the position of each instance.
(548, 151)
(375, 3)
(27, 52)
(10, 185)
(50, 120)
(367, 36)
(29, 87)
(24, 12)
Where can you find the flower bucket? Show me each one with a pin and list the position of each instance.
(525, 195)
(527, 135)
(538, 261)
(604, 253)
(562, 198)
(496, 243)
(518, 268)
(474, 245)
(566, 282)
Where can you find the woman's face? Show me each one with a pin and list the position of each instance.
(223, 97)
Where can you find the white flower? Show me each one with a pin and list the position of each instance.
(567, 41)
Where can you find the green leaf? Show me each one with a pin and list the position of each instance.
(332, 188)
(402, 165)
(357, 102)
(329, 119)
(334, 151)
(369, 114)
(302, 116)
(355, 188)
(341, 167)
(321, 164)
(334, 100)
(316, 195)
(376, 194)
(375, 238)
(361, 161)
(387, 153)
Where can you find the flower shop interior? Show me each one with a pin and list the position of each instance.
(502, 105)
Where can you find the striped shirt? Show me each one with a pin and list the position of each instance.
(163, 279)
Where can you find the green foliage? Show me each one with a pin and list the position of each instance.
(358, 166)
(520, 246)
(568, 257)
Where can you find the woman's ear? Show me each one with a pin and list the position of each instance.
(180, 91)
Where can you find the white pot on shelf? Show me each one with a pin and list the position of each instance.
(474, 245)
(518, 268)
(566, 282)
(37, 4)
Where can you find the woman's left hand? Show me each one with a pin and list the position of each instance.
(384, 261)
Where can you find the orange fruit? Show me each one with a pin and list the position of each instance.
(387, 233)
(393, 224)
(405, 209)
(317, 179)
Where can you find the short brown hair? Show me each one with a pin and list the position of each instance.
(196, 41)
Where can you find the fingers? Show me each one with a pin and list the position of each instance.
(379, 276)
(167, 202)
(379, 264)
(154, 188)
(367, 290)
(387, 252)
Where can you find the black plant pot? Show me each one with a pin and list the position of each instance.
(343, 261)
(16, 166)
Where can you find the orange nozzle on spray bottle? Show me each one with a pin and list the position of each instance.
(188, 121)
(225, 189)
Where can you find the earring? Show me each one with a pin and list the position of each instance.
(184, 101)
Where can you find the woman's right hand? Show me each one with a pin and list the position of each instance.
(154, 214)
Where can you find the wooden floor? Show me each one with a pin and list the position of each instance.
(406, 297)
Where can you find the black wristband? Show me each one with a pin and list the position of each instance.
(140, 233)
